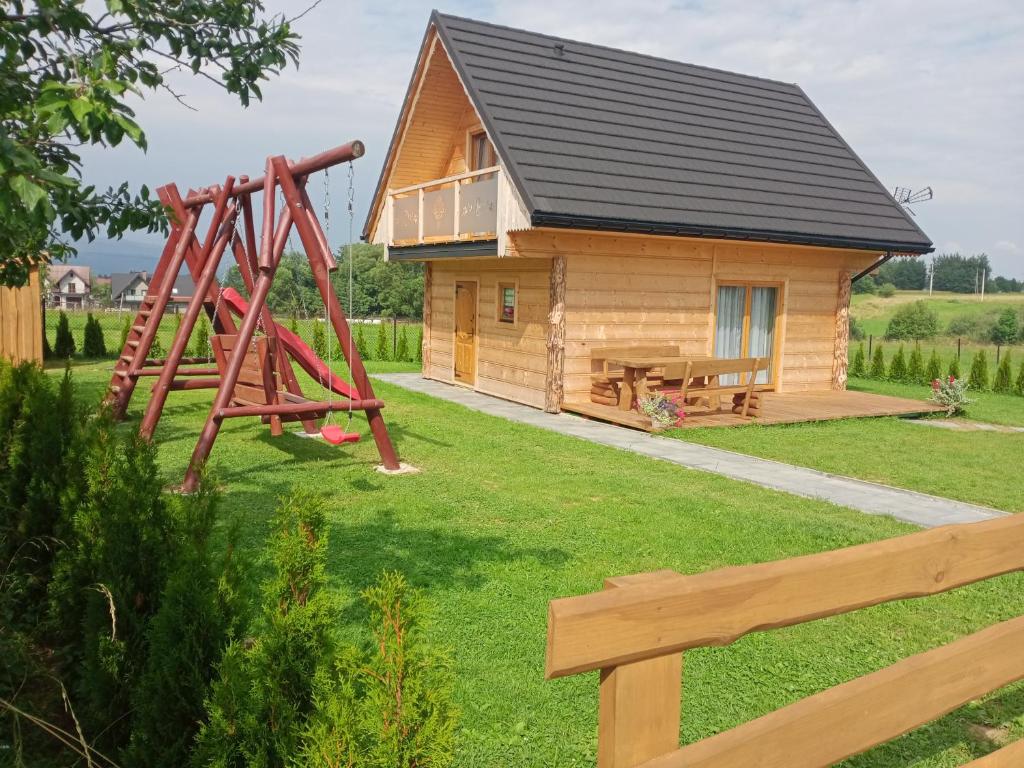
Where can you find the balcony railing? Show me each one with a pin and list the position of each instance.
(452, 209)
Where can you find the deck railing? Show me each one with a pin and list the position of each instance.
(456, 208)
(635, 632)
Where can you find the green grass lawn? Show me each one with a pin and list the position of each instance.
(505, 517)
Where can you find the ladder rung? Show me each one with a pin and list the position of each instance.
(133, 344)
(115, 389)
(127, 358)
(145, 312)
(138, 328)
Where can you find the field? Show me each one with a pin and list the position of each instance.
(505, 517)
(874, 312)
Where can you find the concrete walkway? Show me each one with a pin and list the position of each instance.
(872, 498)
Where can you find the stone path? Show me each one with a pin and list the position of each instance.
(872, 498)
(959, 425)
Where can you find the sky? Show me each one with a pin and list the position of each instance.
(927, 93)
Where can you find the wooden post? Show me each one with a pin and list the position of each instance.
(428, 282)
(639, 709)
(841, 359)
(419, 215)
(555, 385)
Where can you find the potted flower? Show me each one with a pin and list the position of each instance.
(663, 411)
(951, 394)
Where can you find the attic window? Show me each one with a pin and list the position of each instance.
(481, 152)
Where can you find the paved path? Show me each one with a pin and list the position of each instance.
(872, 498)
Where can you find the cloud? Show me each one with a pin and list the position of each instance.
(1007, 245)
(926, 94)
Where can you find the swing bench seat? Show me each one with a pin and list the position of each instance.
(258, 392)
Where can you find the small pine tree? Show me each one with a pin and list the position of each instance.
(915, 366)
(1003, 382)
(293, 323)
(93, 344)
(1018, 385)
(47, 349)
(64, 346)
(954, 368)
(898, 366)
(877, 364)
(419, 345)
(126, 328)
(381, 352)
(978, 378)
(199, 344)
(934, 369)
(319, 340)
(156, 351)
(859, 366)
(361, 346)
(402, 348)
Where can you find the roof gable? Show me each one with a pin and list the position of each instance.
(594, 138)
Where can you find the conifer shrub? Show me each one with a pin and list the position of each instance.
(419, 344)
(858, 367)
(934, 369)
(402, 348)
(382, 352)
(898, 366)
(126, 328)
(1018, 384)
(361, 346)
(293, 323)
(47, 349)
(954, 368)
(1003, 381)
(93, 343)
(915, 366)
(319, 340)
(199, 344)
(978, 377)
(156, 349)
(64, 343)
(877, 364)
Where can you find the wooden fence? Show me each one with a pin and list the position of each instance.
(21, 322)
(635, 632)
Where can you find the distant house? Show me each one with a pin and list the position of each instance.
(68, 286)
(128, 289)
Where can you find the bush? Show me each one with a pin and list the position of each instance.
(47, 349)
(402, 349)
(951, 394)
(886, 290)
(915, 366)
(954, 368)
(382, 352)
(962, 325)
(1018, 384)
(361, 347)
(93, 344)
(978, 377)
(856, 330)
(898, 366)
(877, 364)
(865, 285)
(199, 344)
(126, 328)
(419, 344)
(934, 369)
(64, 344)
(156, 349)
(319, 340)
(913, 321)
(1003, 382)
(293, 323)
(1006, 328)
(859, 366)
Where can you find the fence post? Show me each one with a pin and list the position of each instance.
(998, 350)
(638, 713)
(958, 349)
(871, 339)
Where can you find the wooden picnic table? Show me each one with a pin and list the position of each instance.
(635, 370)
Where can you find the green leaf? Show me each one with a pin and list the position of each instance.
(31, 194)
(80, 108)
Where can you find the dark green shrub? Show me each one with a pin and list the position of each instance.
(319, 340)
(126, 328)
(1018, 384)
(915, 366)
(856, 330)
(156, 349)
(886, 290)
(64, 344)
(898, 366)
(978, 378)
(361, 346)
(954, 368)
(93, 343)
(865, 285)
(859, 366)
(1006, 327)
(199, 344)
(382, 352)
(877, 364)
(963, 325)
(419, 344)
(934, 369)
(1003, 382)
(293, 323)
(47, 349)
(402, 348)
(913, 321)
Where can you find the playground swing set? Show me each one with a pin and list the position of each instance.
(254, 374)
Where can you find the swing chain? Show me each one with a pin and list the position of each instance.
(351, 220)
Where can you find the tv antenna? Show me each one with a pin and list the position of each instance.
(907, 197)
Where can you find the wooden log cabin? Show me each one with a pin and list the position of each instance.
(566, 197)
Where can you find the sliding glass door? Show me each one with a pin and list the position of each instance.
(745, 326)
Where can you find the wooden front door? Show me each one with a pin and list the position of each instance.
(465, 332)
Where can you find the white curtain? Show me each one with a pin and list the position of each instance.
(762, 328)
(729, 326)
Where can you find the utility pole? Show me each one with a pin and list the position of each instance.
(931, 275)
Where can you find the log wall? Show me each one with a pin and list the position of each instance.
(21, 322)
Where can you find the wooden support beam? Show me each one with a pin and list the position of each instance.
(555, 375)
(315, 408)
(841, 354)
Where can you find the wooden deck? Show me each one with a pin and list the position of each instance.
(778, 408)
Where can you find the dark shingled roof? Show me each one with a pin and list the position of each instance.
(599, 138)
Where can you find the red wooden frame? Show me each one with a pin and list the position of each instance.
(258, 266)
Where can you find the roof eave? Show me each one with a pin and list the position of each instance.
(572, 221)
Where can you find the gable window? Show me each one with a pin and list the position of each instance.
(481, 152)
(507, 303)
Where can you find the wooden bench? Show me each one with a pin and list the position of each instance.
(637, 630)
(605, 379)
(700, 379)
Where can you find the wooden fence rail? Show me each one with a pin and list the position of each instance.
(21, 322)
(635, 632)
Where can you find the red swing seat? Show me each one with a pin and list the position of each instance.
(335, 435)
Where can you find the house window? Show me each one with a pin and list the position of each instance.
(481, 152)
(745, 320)
(507, 303)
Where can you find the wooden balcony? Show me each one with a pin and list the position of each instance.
(458, 208)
